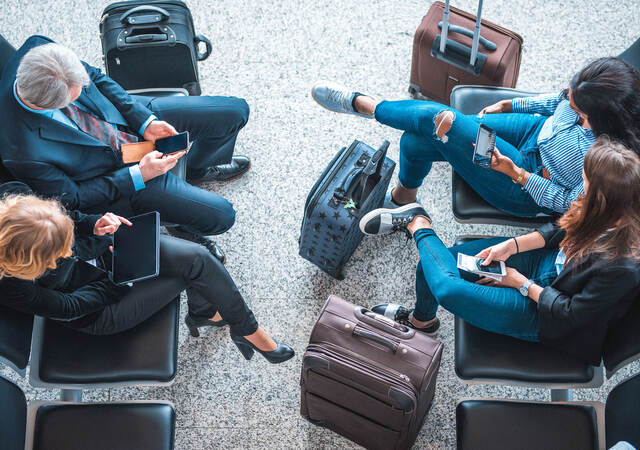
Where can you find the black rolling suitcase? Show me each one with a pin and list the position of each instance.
(152, 44)
(354, 183)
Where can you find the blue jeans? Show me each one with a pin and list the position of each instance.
(419, 147)
(497, 309)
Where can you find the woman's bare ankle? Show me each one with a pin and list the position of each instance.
(418, 223)
(262, 340)
(401, 195)
(419, 324)
(216, 318)
(365, 104)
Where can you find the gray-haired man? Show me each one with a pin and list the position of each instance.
(64, 122)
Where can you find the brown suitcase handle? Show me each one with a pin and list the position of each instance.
(383, 323)
(366, 334)
(491, 46)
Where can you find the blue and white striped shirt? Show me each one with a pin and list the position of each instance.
(562, 151)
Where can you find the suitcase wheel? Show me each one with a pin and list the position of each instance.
(318, 423)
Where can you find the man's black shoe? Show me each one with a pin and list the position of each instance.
(198, 239)
(239, 164)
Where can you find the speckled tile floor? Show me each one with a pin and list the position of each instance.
(270, 53)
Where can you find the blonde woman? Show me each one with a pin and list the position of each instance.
(39, 275)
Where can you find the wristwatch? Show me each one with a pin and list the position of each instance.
(524, 289)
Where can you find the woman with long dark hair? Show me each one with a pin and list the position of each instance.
(565, 285)
(541, 140)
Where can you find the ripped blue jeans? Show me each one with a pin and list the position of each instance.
(517, 136)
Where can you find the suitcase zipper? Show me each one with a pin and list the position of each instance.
(391, 376)
(322, 187)
(375, 366)
(356, 366)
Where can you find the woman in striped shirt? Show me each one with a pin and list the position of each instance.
(542, 140)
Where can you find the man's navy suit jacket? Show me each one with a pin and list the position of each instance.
(57, 160)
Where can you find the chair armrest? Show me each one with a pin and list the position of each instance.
(160, 92)
(471, 99)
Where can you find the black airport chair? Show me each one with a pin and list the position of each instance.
(73, 426)
(482, 357)
(6, 52)
(489, 424)
(467, 205)
(15, 339)
(62, 358)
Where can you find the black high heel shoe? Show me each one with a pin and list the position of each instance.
(279, 355)
(194, 324)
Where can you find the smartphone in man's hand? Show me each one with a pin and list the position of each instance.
(174, 144)
(485, 144)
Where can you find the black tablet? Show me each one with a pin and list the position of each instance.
(136, 249)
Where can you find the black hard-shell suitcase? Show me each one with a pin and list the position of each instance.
(152, 44)
(354, 183)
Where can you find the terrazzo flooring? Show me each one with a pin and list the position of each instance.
(271, 53)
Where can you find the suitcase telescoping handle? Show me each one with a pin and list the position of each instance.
(457, 54)
(486, 43)
(156, 15)
(366, 334)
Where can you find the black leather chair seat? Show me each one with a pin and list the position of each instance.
(622, 412)
(485, 355)
(488, 424)
(480, 354)
(15, 336)
(468, 206)
(132, 426)
(147, 352)
(13, 410)
(623, 341)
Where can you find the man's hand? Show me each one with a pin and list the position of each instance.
(504, 164)
(155, 163)
(158, 129)
(503, 106)
(512, 279)
(498, 252)
(109, 224)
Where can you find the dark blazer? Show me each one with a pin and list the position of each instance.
(76, 291)
(57, 160)
(587, 298)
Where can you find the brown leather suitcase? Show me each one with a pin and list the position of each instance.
(367, 377)
(436, 68)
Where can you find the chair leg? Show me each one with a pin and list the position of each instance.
(561, 395)
(71, 395)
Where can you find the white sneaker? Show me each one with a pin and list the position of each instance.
(384, 221)
(336, 98)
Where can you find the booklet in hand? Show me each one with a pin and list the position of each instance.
(495, 270)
